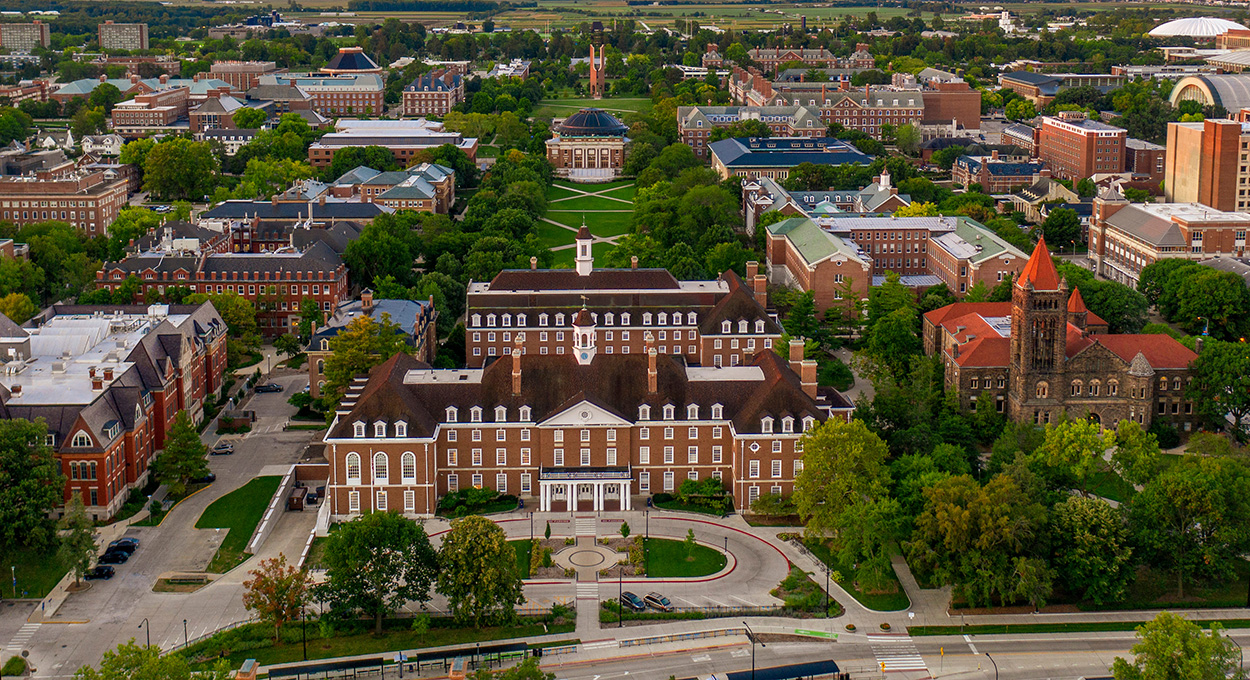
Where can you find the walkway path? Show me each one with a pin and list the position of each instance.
(585, 193)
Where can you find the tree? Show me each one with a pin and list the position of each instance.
(892, 343)
(136, 152)
(1033, 581)
(18, 307)
(843, 464)
(1061, 227)
(689, 544)
(526, 670)
(907, 139)
(1214, 302)
(77, 547)
(132, 662)
(287, 344)
(104, 97)
(310, 316)
(249, 119)
(359, 346)
(14, 125)
(1136, 455)
(1073, 447)
(1092, 553)
(917, 210)
(868, 528)
(477, 572)
(1020, 109)
(180, 169)
(88, 121)
(183, 458)
(376, 564)
(1171, 648)
(1194, 519)
(277, 592)
(624, 530)
(1221, 384)
(31, 485)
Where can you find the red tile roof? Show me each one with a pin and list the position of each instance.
(1040, 270)
(1162, 351)
(1076, 305)
(985, 352)
(1076, 340)
(939, 316)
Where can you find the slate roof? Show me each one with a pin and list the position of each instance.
(403, 313)
(786, 152)
(351, 60)
(812, 243)
(428, 82)
(598, 279)
(267, 210)
(973, 164)
(9, 329)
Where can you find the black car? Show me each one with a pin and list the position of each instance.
(206, 479)
(632, 601)
(102, 572)
(269, 387)
(658, 601)
(221, 449)
(127, 545)
(114, 557)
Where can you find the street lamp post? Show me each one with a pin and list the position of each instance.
(754, 640)
(148, 627)
(987, 655)
(186, 641)
(303, 627)
(1241, 653)
(620, 596)
(13, 570)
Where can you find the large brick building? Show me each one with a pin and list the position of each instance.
(695, 123)
(588, 145)
(770, 59)
(15, 37)
(243, 75)
(1205, 163)
(995, 175)
(151, 112)
(405, 139)
(337, 95)
(1074, 147)
(87, 199)
(433, 93)
(109, 381)
(712, 323)
(1041, 88)
(576, 430)
(1045, 354)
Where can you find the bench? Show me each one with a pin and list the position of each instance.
(187, 580)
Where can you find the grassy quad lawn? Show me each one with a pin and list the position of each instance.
(522, 548)
(564, 258)
(255, 641)
(593, 188)
(551, 235)
(239, 512)
(601, 224)
(555, 192)
(668, 559)
(590, 203)
(625, 192)
(37, 573)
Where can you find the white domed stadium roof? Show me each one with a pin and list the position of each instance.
(1195, 27)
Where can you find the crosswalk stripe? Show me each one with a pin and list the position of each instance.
(896, 652)
(588, 591)
(585, 526)
(23, 635)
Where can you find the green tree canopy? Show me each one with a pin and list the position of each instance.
(31, 485)
(183, 458)
(478, 573)
(1172, 648)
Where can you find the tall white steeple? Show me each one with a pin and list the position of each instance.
(585, 259)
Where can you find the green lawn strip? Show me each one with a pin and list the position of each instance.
(522, 548)
(1107, 484)
(668, 559)
(590, 203)
(37, 573)
(238, 512)
(1154, 589)
(555, 192)
(551, 235)
(886, 602)
(565, 257)
(626, 192)
(609, 612)
(1089, 627)
(602, 224)
(603, 186)
(255, 641)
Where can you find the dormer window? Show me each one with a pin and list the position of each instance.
(81, 440)
(379, 429)
(542, 319)
(559, 319)
(718, 412)
(451, 414)
(607, 319)
(501, 414)
(624, 318)
(526, 414)
(325, 345)
(808, 423)
(520, 319)
(507, 320)
(50, 439)
(401, 429)
(692, 412)
(742, 326)
(691, 319)
(787, 424)
(477, 319)
(490, 320)
(669, 411)
(475, 414)
(766, 424)
(663, 319)
(644, 412)
(646, 318)
(759, 326)
(726, 326)
(358, 430)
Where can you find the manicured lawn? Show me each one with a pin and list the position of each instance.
(879, 601)
(600, 186)
(1108, 484)
(522, 548)
(626, 193)
(37, 573)
(1089, 627)
(554, 192)
(590, 203)
(238, 512)
(255, 641)
(601, 224)
(565, 257)
(564, 107)
(667, 558)
(551, 236)
(674, 504)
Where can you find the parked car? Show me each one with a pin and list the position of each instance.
(128, 545)
(206, 479)
(221, 449)
(658, 601)
(632, 601)
(102, 572)
(269, 387)
(113, 556)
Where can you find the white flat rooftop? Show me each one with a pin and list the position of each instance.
(723, 373)
(1192, 212)
(436, 375)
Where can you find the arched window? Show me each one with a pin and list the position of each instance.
(726, 326)
(325, 345)
(1113, 388)
(408, 466)
(766, 424)
(646, 318)
(353, 468)
(669, 411)
(380, 469)
(718, 412)
(490, 320)
(663, 318)
(542, 319)
(624, 318)
(526, 414)
(401, 429)
(507, 320)
(644, 412)
(808, 423)
(787, 424)
(607, 319)
(520, 319)
(1076, 388)
(691, 319)
(321, 366)
(1043, 390)
(759, 326)
(1095, 388)
(81, 440)
(742, 326)
(501, 414)
(692, 412)
(358, 429)
(559, 319)
(475, 414)
(451, 414)
(477, 319)
(379, 429)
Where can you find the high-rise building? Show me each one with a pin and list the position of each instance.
(1075, 147)
(25, 37)
(123, 36)
(1206, 163)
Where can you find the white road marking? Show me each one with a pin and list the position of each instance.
(701, 658)
(897, 652)
(971, 646)
(21, 637)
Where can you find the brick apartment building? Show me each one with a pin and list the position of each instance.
(1206, 163)
(243, 75)
(36, 90)
(1146, 159)
(111, 401)
(995, 175)
(695, 123)
(335, 95)
(769, 59)
(1074, 147)
(1125, 237)
(87, 199)
(131, 37)
(275, 283)
(433, 93)
(405, 139)
(16, 37)
(151, 112)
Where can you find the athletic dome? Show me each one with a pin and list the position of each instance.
(1195, 27)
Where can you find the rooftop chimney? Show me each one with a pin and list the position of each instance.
(753, 268)
(97, 384)
(807, 377)
(533, 262)
(993, 155)
(633, 261)
(15, 390)
(517, 348)
(366, 300)
(108, 373)
(760, 289)
(91, 372)
(796, 355)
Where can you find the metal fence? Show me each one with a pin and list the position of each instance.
(201, 638)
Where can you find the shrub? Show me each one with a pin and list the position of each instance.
(15, 666)
(773, 505)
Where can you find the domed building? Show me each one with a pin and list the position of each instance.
(588, 146)
(1198, 28)
(350, 61)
